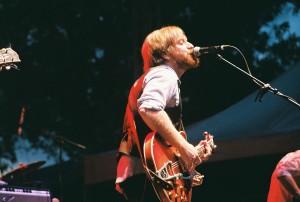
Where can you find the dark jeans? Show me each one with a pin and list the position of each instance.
(139, 189)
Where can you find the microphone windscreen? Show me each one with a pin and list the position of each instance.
(197, 51)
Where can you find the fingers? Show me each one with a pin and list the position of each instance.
(198, 161)
(194, 163)
(208, 150)
(190, 157)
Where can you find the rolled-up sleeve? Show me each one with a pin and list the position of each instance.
(159, 90)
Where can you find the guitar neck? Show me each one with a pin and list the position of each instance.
(201, 150)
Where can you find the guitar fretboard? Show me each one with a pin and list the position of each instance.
(201, 150)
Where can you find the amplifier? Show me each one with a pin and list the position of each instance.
(24, 194)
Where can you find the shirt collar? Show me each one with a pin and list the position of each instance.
(170, 68)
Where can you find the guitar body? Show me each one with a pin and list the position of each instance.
(162, 159)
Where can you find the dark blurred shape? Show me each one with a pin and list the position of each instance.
(22, 170)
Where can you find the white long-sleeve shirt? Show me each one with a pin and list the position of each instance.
(159, 91)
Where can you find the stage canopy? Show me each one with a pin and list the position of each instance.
(250, 128)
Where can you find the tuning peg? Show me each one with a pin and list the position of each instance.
(15, 67)
(9, 67)
(205, 133)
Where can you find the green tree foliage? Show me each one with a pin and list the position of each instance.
(79, 59)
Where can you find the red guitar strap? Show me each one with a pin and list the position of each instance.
(135, 136)
(153, 177)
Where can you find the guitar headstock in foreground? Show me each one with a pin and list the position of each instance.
(8, 58)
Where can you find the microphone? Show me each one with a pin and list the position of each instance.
(21, 120)
(210, 49)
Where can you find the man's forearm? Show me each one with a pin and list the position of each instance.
(160, 122)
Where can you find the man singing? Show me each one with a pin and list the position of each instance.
(154, 104)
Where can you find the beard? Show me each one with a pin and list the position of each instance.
(186, 61)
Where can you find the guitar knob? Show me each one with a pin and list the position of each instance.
(183, 199)
(170, 195)
(176, 196)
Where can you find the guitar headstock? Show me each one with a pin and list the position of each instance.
(210, 139)
(8, 58)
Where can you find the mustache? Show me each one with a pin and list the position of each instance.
(195, 58)
(193, 55)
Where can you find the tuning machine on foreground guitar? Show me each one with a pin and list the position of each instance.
(8, 58)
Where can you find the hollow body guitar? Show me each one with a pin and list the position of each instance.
(170, 180)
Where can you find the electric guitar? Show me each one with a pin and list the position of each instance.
(170, 180)
(8, 58)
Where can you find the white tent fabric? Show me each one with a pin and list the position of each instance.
(250, 128)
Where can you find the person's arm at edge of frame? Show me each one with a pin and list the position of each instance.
(289, 183)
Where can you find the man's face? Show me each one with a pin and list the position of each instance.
(183, 53)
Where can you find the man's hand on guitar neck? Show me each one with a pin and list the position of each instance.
(189, 156)
(207, 149)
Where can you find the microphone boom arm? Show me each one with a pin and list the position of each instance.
(264, 87)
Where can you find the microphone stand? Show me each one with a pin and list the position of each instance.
(61, 140)
(264, 88)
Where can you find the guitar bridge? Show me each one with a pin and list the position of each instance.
(164, 174)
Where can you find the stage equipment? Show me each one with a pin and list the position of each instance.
(22, 170)
(24, 194)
